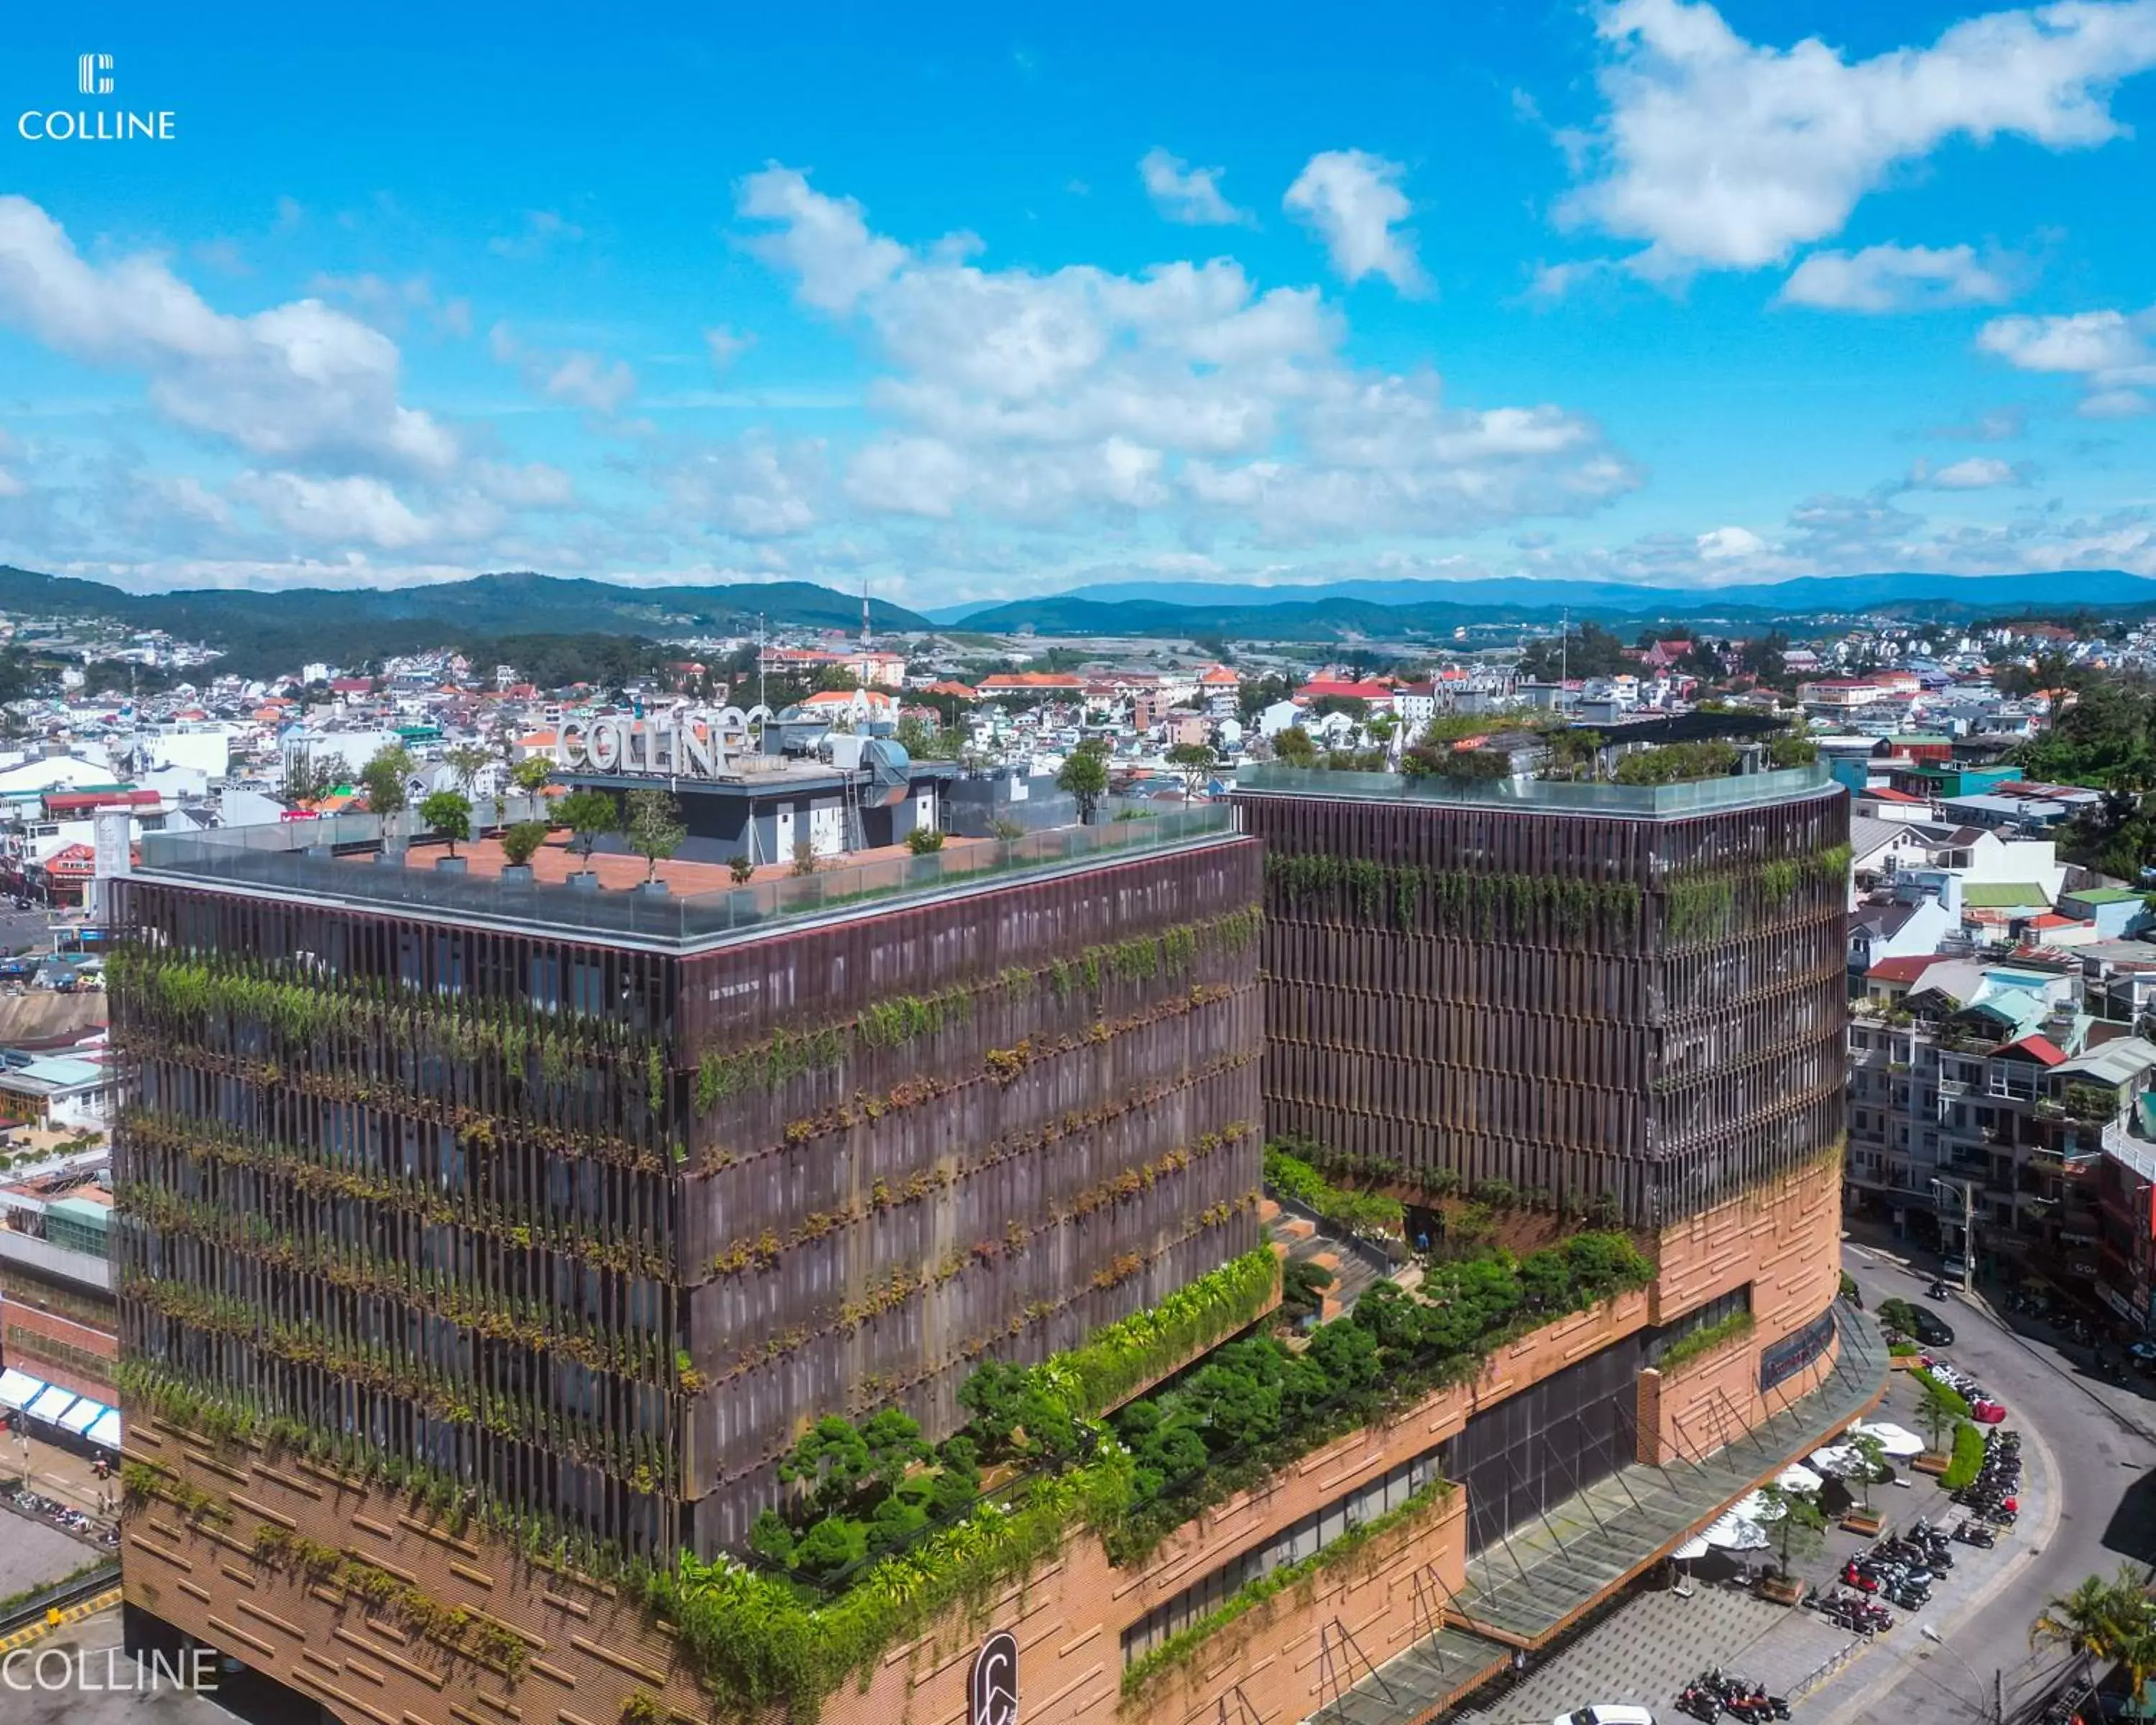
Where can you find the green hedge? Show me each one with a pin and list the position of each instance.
(1357, 1212)
(1968, 1457)
(1957, 1402)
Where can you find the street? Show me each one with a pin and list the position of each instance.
(2102, 1441)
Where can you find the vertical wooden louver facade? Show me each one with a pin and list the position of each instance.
(1576, 1003)
(595, 1228)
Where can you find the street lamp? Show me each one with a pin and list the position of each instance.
(1965, 1190)
(1998, 1713)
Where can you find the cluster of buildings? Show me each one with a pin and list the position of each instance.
(447, 1198)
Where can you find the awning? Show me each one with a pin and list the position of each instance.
(84, 1415)
(53, 1402)
(18, 1389)
(1894, 1440)
(106, 1431)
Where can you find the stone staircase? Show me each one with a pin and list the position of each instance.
(1304, 1242)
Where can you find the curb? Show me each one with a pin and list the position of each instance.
(59, 1620)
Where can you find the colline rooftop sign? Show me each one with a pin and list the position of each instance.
(687, 745)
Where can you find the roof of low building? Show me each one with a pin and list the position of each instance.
(1903, 970)
(2002, 895)
(2114, 1062)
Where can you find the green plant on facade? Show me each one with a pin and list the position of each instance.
(1184, 1645)
(1460, 903)
(1682, 1352)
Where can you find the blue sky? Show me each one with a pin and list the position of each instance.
(981, 301)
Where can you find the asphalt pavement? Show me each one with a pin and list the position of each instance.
(2101, 1439)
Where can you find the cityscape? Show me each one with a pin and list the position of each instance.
(1063, 998)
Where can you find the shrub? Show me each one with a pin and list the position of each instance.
(448, 813)
(1357, 1212)
(1968, 1457)
(521, 843)
(1702, 1342)
(740, 867)
(923, 839)
(805, 857)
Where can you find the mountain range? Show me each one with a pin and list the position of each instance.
(260, 632)
(1370, 607)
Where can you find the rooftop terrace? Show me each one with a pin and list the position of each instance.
(1538, 796)
(342, 861)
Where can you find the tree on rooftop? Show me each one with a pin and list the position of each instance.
(1085, 775)
(532, 774)
(448, 812)
(654, 829)
(466, 761)
(589, 816)
(521, 843)
(1195, 762)
(384, 777)
(1292, 747)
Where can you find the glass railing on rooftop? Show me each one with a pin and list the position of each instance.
(341, 859)
(1697, 796)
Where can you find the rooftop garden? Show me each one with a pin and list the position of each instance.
(886, 1534)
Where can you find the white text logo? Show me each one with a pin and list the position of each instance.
(93, 77)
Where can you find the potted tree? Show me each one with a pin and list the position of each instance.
(1800, 1531)
(589, 816)
(531, 775)
(1871, 1462)
(448, 813)
(520, 844)
(654, 832)
(1085, 775)
(384, 777)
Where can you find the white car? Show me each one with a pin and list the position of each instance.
(1607, 1713)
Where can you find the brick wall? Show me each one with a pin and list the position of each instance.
(1784, 1238)
(58, 1349)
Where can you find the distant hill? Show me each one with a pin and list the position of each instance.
(260, 632)
(1398, 609)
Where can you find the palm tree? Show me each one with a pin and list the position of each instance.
(2106, 1622)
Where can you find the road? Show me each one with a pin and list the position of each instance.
(2102, 1441)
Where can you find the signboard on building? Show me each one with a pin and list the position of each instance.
(992, 1693)
(688, 745)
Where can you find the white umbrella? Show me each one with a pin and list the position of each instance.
(1838, 1460)
(1734, 1532)
(1692, 1548)
(1894, 1440)
(1797, 1477)
(1755, 1508)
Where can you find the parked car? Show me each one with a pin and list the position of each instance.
(1929, 1330)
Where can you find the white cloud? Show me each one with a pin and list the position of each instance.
(1720, 543)
(541, 231)
(1973, 473)
(11, 485)
(296, 382)
(1184, 194)
(1719, 152)
(534, 485)
(2110, 351)
(2091, 341)
(822, 242)
(571, 376)
(2115, 404)
(725, 344)
(753, 489)
(1893, 278)
(590, 381)
(1184, 393)
(357, 507)
(1353, 201)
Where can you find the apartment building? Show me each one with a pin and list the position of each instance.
(1981, 1094)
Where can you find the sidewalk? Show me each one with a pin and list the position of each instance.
(60, 1474)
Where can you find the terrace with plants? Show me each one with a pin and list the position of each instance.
(885, 1533)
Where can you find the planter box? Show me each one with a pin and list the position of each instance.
(1780, 1592)
(1931, 1462)
(517, 875)
(451, 865)
(583, 882)
(1904, 1361)
(1868, 1522)
(651, 889)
